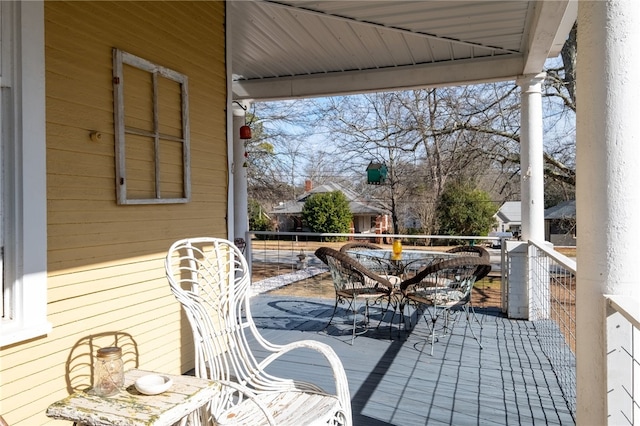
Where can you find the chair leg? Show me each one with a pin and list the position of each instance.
(403, 318)
(433, 318)
(354, 308)
(367, 318)
(335, 307)
(384, 312)
(473, 311)
(448, 322)
(366, 313)
(418, 310)
(393, 316)
(466, 310)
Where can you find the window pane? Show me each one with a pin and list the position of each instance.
(171, 169)
(169, 108)
(138, 99)
(140, 161)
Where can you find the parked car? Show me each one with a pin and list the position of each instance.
(499, 236)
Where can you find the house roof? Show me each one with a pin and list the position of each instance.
(299, 48)
(356, 206)
(510, 212)
(564, 210)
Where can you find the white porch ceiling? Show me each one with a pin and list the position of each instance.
(288, 49)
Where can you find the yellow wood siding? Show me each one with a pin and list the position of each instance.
(105, 261)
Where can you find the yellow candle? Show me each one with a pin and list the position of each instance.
(397, 247)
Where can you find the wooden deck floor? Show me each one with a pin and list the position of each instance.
(394, 380)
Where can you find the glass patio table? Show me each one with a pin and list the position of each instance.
(385, 262)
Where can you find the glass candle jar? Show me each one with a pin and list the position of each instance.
(108, 376)
(397, 247)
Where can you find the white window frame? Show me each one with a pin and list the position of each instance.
(121, 58)
(23, 181)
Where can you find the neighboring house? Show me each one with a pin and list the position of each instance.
(367, 219)
(410, 220)
(560, 224)
(509, 218)
(86, 234)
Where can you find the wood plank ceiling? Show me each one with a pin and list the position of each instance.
(287, 49)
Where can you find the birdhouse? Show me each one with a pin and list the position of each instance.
(376, 173)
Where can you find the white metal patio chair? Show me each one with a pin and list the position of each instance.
(210, 278)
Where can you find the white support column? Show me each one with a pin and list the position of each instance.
(531, 157)
(607, 194)
(240, 195)
(230, 131)
(532, 193)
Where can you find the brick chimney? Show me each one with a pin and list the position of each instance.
(308, 186)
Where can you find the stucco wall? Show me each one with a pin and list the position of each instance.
(105, 261)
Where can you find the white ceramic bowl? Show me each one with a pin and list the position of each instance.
(153, 384)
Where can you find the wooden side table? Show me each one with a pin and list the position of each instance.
(130, 407)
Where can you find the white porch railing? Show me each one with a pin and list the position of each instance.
(553, 308)
(551, 286)
(292, 244)
(623, 356)
(288, 254)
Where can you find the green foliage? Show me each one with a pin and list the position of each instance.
(327, 212)
(258, 219)
(464, 210)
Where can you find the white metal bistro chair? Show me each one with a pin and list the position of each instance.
(210, 277)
